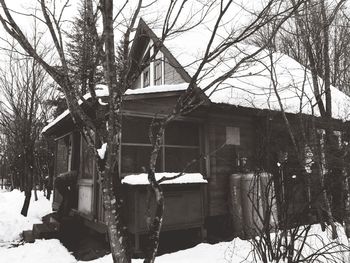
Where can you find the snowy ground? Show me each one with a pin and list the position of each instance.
(43, 251)
(12, 223)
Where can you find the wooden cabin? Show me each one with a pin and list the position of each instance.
(229, 133)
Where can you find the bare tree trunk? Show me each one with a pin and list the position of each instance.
(112, 209)
(321, 175)
(156, 224)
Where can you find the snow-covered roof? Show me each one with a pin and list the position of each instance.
(251, 85)
(157, 89)
(101, 91)
(257, 84)
(186, 178)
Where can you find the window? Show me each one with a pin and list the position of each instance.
(233, 136)
(177, 159)
(180, 146)
(158, 72)
(87, 162)
(146, 80)
(136, 146)
(63, 154)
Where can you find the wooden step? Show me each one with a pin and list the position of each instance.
(28, 236)
(45, 230)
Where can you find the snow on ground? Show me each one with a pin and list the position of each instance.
(48, 251)
(12, 223)
(239, 250)
(43, 251)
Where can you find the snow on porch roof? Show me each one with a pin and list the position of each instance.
(101, 91)
(186, 178)
(157, 89)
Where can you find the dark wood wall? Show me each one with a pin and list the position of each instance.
(224, 161)
(171, 76)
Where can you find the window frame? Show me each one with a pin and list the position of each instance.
(68, 152)
(164, 146)
(158, 80)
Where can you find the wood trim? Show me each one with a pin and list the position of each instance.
(85, 182)
(159, 116)
(62, 136)
(136, 144)
(152, 95)
(207, 150)
(163, 68)
(182, 146)
(163, 145)
(151, 64)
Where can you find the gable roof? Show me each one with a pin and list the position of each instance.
(251, 86)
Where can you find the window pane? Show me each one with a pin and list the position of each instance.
(233, 136)
(182, 133)
(135, 130)
(158, 72)
(146, 77)
(63, 149)
(87, 162)
(135, 159)
(176, 159)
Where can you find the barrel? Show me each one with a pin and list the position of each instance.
(235, 205)
(252, 208)
(269, 201)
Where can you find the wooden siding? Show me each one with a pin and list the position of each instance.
(224, 161)
(171, 76)
(152, 106)
(137, 83)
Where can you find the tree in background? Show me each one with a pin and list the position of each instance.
(23, 86)
(82, 42)
(317, 37)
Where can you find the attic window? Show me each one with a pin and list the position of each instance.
(233, 136)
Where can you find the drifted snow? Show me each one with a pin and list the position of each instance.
(237, 250)
(186, 178)
(41, 251)
(12, 223)
(156, 89)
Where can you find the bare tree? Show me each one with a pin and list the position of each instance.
(23, 86)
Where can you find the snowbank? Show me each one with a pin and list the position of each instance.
(12, 223)
(40, 251)
(237, 250)
(186, 178)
